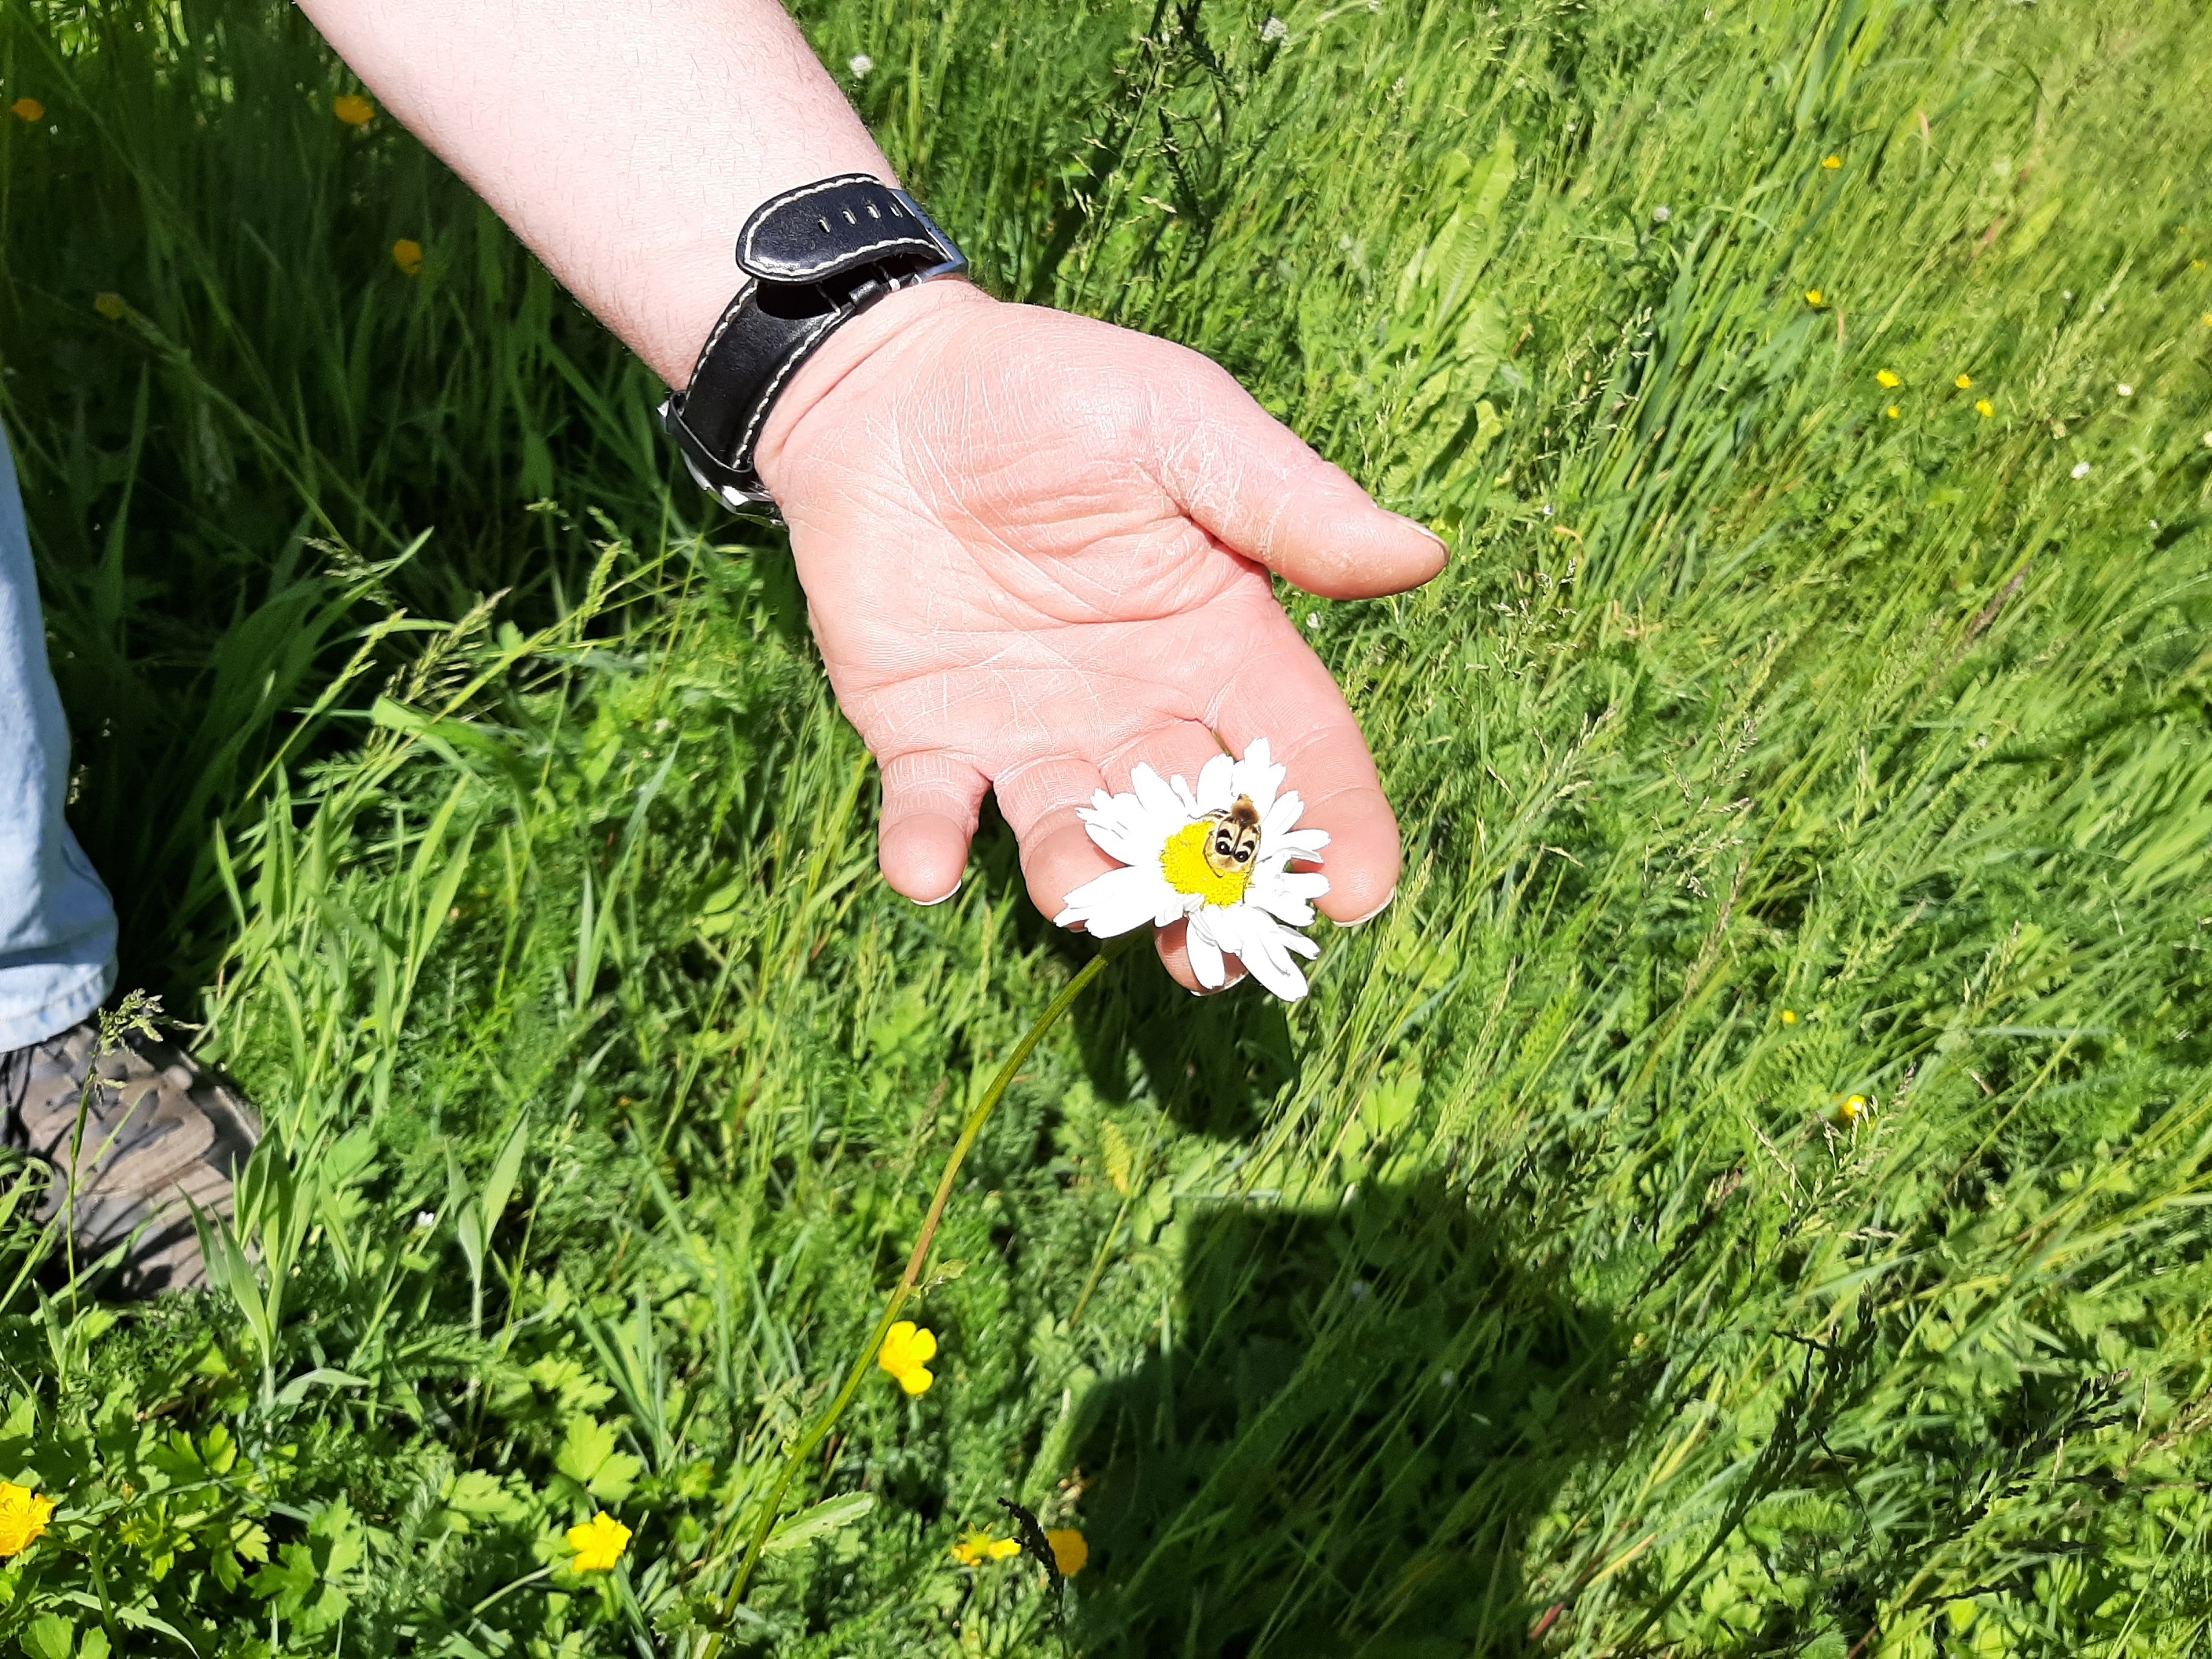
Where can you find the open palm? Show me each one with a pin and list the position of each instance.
(1036, 549)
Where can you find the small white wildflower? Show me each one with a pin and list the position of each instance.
(1274, 29)
(2207, 440)
(1662, 214)
(2126, 391)
(425, 1220)
(2081, 469)
(2066, 293)
(2153, 524)
(1313, 619)
(1361, 1290)
(1547, 509)
(860, 63)
(1448, 1377)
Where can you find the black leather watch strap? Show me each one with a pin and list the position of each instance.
(813, 258)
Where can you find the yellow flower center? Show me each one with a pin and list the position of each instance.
(1182, 862)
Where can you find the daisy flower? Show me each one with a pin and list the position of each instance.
(1217, 856)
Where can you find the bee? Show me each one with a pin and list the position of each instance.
(1234, 841)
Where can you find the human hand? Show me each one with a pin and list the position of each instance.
(1035, 551)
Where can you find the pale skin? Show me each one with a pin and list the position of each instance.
(1036, 548)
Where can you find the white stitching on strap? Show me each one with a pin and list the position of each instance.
(748, 249)
(766, 401)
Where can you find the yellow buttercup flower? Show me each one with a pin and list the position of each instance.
(1984, 408)
(407, 254)
(1788, 1017)
(27, 109)
(1892, 411)
(1832, 162)
(1963, 381)
(353, 109)
(1853, 1110)
(906, 1354)
(1069, 1550)
(114, 306)
(23, 1517)
(1886, 380)
(2206, 320)
(1814, 297)
(977, 1548)
(598, 1543)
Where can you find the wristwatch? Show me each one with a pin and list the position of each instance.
(814, 258)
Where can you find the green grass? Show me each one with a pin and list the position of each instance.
(1525, 1289)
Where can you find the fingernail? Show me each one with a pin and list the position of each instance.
(1361, 921)
(931, 904)
(1430, 534)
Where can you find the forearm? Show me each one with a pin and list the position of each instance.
(625, 141)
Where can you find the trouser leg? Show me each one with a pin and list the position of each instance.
(56, 924)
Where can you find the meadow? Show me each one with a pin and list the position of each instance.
(1750, 1193)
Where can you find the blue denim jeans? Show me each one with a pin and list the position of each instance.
(56, 925)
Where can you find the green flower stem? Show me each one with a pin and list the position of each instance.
(805, 1447)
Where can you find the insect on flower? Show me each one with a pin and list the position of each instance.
(1217, 856)
(23, 1517)
(598, 1543)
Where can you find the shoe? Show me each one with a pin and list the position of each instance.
(157, 1131)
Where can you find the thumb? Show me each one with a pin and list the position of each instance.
(1254, 484)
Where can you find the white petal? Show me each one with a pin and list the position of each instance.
(1283, 817)
(1258, 776)
(1297, 843)
(1305, 884)
(1160, 802)
(1123, 829)
(1217, 787)
(1115, 902)
(1287, 898)
(1270, 963)
(1191, 809)
(1205, 958)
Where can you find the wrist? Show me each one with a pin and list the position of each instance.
(863, 352)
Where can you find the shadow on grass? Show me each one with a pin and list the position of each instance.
(1211, 1063)
(1359, 1415)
